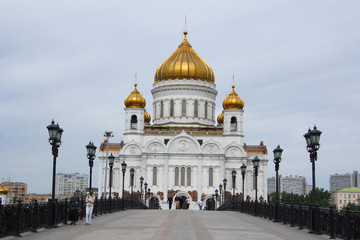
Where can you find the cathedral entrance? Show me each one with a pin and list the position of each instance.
(182, 201)
(154, 203)
(210, 204)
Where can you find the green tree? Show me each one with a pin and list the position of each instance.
(322, 198)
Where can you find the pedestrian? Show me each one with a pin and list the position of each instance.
(177, 202)
(181, 202)
(200, 206)
(170, 202)
(73, 209)
(188, 201)
(89, 207)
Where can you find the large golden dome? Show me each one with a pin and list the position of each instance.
(233, 101)
(185, 63)
(3, 189)
(147, 117)
(135, 99)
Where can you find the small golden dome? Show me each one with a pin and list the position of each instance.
(220, 118)
(3, 189)
(135, 99)
(233, 101)
(147, 117)
(185, 63)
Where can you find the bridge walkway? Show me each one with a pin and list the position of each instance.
(173, 224)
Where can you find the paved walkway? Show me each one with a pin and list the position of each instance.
(174, 224)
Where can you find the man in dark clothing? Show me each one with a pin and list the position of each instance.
(170, 202)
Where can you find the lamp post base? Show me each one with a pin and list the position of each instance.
(315, 220)
(277, 214)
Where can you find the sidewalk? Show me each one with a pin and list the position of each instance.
(173, 224)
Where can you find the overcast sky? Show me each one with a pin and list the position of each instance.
(296, 64)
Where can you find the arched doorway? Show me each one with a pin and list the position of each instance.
(182, 197)
(210, 204)
(154, 203)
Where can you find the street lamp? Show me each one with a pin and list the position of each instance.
(55, 133)
(224, 182)
(108, 134)
(149, 191)
(141, 185)
(132, 171)
(220, 188)
(216, 195)
(233, 173)
(243, 172)
(91, 149)
(312, 138)
(256, 163)
(111, 165)
(123, 168)
(277, 159)
(145, 186)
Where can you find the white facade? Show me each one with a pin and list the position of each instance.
(70, 182)
(184, 150)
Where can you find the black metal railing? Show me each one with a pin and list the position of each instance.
(335, 223)
(18, 218)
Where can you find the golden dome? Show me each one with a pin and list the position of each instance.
(185, 63)
(147, 117)
(220, 118)
(233, 101)
(3, 189)
(135, 99)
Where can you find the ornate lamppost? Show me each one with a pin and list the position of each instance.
(91, 149)
(312, 138)
(145, 186)
(111, 165)
(277, 159)
(256, 163)
(55, 133)
(149, 191)
(132, 171)
(108, 134)
(141, 186)
(233, 174)
(123, 168)
(243, 172)
(224, 183)
(220, 188)
(216, 196)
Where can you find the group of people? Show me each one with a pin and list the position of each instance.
(181, 202)
(75, 208)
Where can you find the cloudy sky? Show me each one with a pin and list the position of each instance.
(296, 63)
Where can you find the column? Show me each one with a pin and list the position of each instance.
(200, 180)
(166, 176)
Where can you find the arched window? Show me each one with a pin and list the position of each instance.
(188, 177)
(176, 176)
(206, 110)
(133, 124)
(182, 176)
(161, 109)
(154, 176)
(171, 108)
(196, 112)
(233, 126)
(183, 108)
(211, 177)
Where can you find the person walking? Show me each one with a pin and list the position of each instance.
(89, 207)
(170, 200)
(73, 209)
(177, 201)
(188, 201)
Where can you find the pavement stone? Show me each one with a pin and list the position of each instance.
(173, 224)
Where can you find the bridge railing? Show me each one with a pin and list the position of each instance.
(18, 218)
(341, 224)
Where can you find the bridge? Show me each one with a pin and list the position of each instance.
(173, 224)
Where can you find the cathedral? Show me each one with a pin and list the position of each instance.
(184, 150)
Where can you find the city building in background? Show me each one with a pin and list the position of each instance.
(67, 183)
(347, 180)
(17, 190)
(41, 198)
(344, 196)
(289, 184)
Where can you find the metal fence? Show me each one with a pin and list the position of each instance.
(18, 218)
(340, 224)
